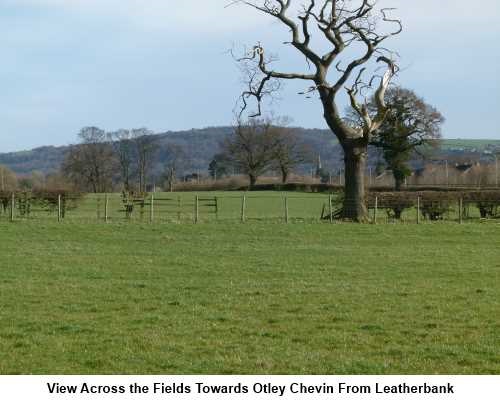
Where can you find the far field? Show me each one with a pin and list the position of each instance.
(468, 144)
(91, 298)
(260, 206)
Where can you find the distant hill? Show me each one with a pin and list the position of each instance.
(202, 144)
(45, 159)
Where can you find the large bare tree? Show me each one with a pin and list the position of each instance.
(340, 25)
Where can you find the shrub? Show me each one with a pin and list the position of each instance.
(46, 199)
(395, 203)
(435, 210)
(488, 209)
(434, 205)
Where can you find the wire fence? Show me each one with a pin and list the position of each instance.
(245, 207)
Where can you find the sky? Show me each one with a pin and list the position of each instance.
(165, 65)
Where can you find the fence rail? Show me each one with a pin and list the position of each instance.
(286, 208)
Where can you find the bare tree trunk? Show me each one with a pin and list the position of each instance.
(354, 207)
(399, 180)
(253, 179)
(141, 180)
(126, 182)
(171, 179)
(284, 176)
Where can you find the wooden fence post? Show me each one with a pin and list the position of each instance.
(330, 204)
(460, 210)
(286, 210)
(418, 210)
(196, 209)
(152, 209)
(179, 208)
(243, 207)
(59, 212)
(375, 211)
(216, 208)
(106, 208)
(12, 207)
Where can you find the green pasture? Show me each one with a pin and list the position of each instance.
(180, 207)
(258, 298)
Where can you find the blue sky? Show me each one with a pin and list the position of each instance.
(163, 64)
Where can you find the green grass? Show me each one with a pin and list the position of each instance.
(479, 144)
(255, 298)
(259, 206)
(267, 206)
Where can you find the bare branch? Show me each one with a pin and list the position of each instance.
(343, 23)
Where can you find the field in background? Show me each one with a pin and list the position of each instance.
(181, 207)
(257, 206)
(256, 298)
(478, 144)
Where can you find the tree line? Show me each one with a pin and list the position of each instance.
(100, 161)
(255, 147)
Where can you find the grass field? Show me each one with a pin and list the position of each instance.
(168, 206)
(256, 298)
(260, 206)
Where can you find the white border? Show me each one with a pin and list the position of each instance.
(34, 390)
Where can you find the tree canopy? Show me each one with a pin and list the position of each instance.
(410, 125)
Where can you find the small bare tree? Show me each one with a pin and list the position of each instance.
(124, 149)
(289, 151)
(145, 149)
(341, 25)
(175, 160)
(8, 179)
